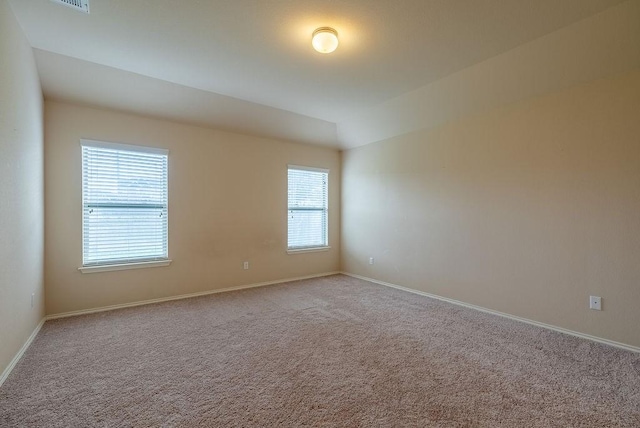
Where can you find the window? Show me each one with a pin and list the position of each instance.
(124, 204)
(308, 210)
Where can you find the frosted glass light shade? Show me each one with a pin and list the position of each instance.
(325, 40)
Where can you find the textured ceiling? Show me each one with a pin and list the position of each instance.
(259, 50)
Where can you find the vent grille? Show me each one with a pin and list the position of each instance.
(80, 5)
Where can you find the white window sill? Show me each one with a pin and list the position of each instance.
(307, 250)
(124, 266)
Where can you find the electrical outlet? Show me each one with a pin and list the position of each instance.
(245, 265)
(33, 296)
(371, 260)
(595, 302)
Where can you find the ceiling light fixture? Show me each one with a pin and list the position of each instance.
(325, 40)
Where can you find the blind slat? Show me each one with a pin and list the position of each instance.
(125, 201)
(307, 208)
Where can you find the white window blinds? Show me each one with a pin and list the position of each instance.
(308, 210)
(124, 198)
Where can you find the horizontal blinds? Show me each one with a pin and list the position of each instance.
(125, 198)
(307, 208)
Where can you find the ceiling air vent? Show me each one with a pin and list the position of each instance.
(80, 5)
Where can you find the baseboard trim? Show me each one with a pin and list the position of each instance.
(18, 356)
(182, 296)
(501, 314)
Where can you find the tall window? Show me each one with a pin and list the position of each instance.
(124, 199)
(308, 210)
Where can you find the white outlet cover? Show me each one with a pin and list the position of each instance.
(595, 302)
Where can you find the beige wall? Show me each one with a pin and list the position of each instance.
(527, 209)
(21, 189)
(227, 204)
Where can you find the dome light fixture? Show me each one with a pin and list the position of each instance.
(325, 40)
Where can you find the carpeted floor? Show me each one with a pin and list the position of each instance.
(328, 352)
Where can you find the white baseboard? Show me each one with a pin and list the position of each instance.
(182, 296)
(501, 314)
(12, 364)
(20, 353)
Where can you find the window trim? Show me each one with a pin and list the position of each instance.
(121, 264)
(314, 248)
(124, 266)
(308, 249)
(121, 146)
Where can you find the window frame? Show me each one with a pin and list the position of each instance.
(314, 248)
(124, 263)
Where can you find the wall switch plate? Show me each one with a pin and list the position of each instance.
(595, 302)
(33, 296)
(371, 260)
(245, 265)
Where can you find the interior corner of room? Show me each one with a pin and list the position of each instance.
(509, 185)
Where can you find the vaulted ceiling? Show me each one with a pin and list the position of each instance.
(248, 65)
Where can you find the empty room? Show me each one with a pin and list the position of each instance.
(349, 213)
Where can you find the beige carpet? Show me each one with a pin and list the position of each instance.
(329, 352)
